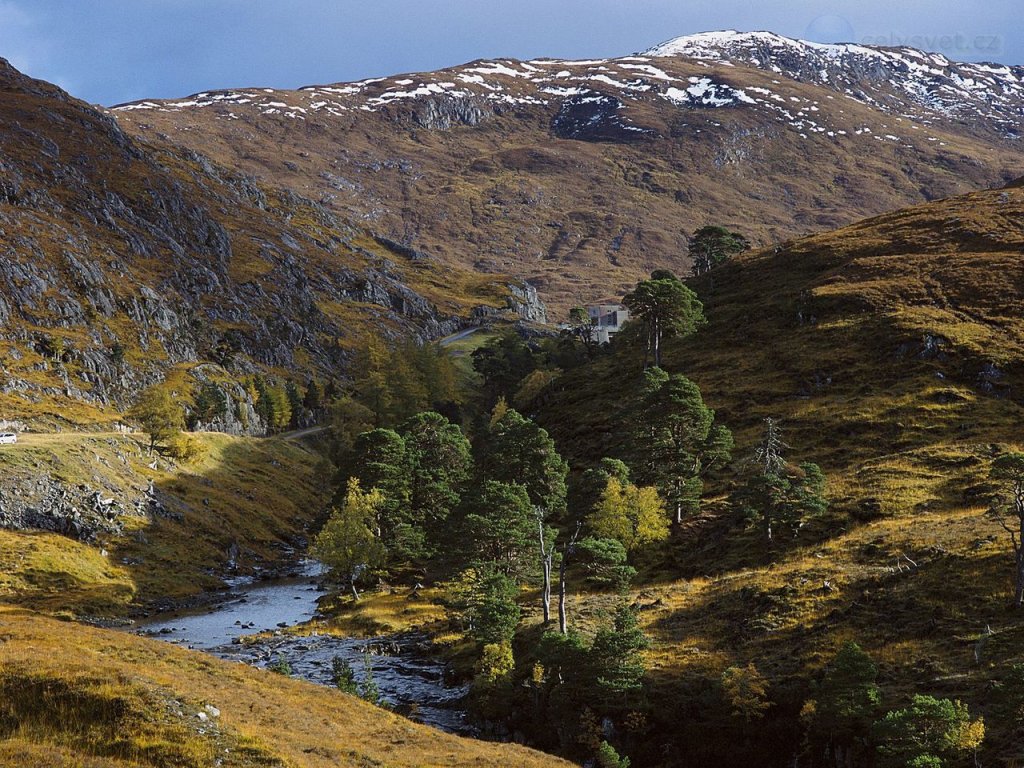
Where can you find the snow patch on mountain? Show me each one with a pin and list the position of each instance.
(704, 92)
(926, 88)
(883, 78)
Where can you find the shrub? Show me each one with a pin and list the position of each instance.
(185, 448)
(281, 666)
(607, 757)
(343, 676)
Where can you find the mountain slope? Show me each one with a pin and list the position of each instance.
(885, 336)
(582, 176)
(118, 701)
(890, 352)
(121, 263)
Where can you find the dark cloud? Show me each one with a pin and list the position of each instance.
(108, 51)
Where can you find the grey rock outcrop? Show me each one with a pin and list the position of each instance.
(82, 512)
(441, 113)
(526, 303)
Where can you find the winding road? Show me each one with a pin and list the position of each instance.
(458, 336)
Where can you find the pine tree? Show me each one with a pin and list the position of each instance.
(381, 462)
(497, 613)
(616, 659)
(713, 245)
(1008, 509)
(439, 466)
(604, 561)
(845, 705)
(667, 308)
(294, 403)
(498, 528)
(607, 757)
(929, 732)
(778, 495)
(517, 450)
(676, 441)
(503, 362)
(313, 399)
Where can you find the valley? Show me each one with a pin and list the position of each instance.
(319, 462)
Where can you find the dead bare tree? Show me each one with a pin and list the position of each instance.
(547, 556)
(567, 553)
(769, 452)
(1008, 509)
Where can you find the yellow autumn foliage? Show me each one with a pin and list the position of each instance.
(634, 515)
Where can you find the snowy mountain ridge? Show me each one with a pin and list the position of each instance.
(927, 88)
(885, 78)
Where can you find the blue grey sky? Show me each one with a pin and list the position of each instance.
(110, 51)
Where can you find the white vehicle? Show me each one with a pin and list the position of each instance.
(8, 438)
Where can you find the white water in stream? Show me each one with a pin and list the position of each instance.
(408, 679)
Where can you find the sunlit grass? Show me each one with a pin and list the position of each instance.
(381, 612)
(106, 699)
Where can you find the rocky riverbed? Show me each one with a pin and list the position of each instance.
(410, 681)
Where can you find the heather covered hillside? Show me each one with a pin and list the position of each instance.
(124, 265)
(887, 352)
(582, 176)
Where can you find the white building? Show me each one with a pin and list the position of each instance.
(606, 320)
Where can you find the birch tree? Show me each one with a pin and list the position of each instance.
(347, 544)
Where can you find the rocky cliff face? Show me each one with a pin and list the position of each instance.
(581, 176)
(122, 262)
(526, 303)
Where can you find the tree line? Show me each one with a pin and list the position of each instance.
(454, 485)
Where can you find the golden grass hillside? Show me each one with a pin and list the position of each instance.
(105, 699)
(897, 333)
(891, 352)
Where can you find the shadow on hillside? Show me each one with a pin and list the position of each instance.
(64, 589)
(244, 506)
(932, 613)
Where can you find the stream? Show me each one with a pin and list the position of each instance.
(410, 682)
